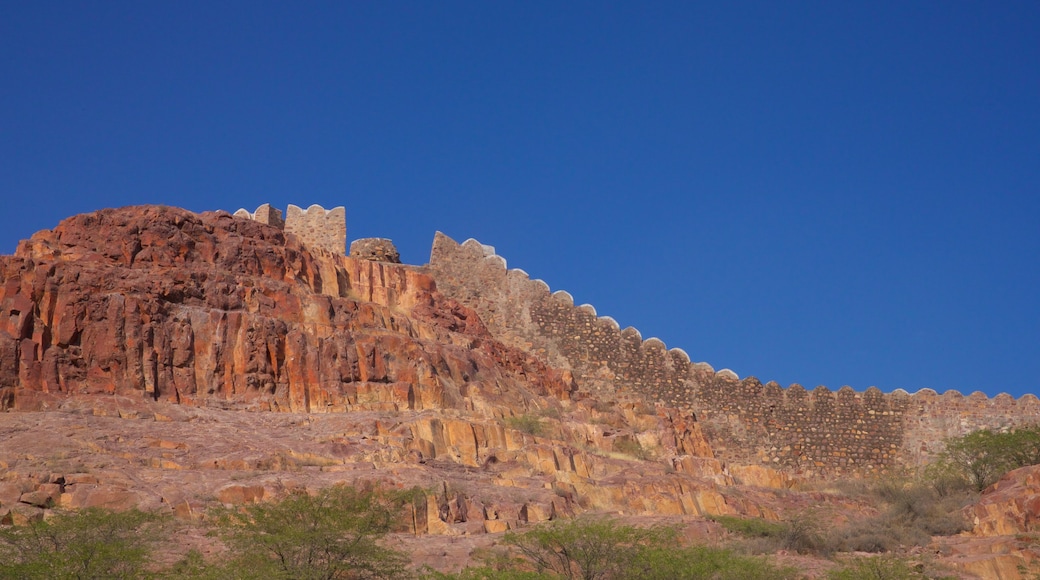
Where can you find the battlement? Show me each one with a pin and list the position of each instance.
(316, 227)
(808, 432)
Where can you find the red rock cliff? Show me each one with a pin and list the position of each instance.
(163, 303)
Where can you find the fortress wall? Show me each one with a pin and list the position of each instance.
(931, 417)
(523, 313)
(811, 433)
(847, 431)
(817, 432)
(316, 227)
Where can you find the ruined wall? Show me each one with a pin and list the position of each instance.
(811, 433)
(316, 227)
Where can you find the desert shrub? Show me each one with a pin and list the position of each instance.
(805, 535)
(91, 543)
(530, 424)
(912, 512)
(880, 534)
(883, 568)
(484, 573)
(633, 448)
(604, 549)
(703, 563)
(750, 527)
(980, 458)
(588, 548)
(802, 534)
(921, 506)
(332, 534)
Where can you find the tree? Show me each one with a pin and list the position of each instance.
(882, 568)
(91, 543)
(590, 549)
(603, 549)
(981, 457)
(333, 534)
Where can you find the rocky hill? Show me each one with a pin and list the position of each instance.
(154, 357)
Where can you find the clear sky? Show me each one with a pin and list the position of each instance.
(815, 192)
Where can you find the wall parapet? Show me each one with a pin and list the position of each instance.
(316, 226)
(808, 432)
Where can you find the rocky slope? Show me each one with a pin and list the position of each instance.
(158, 358)
(147, 331)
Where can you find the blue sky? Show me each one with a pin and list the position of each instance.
(815, 192)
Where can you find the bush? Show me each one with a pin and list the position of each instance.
(703, 563)
(980, 458)
(603, 549)
(802, 534)
(883, 568)
(530, 424)
(750, 527)
(912, 513)
(586, 548)
(332, 534)
(91, 543)
(633, 448)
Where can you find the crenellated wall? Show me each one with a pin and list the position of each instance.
(817, 432)
(316, 227)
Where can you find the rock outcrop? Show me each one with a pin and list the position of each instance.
(211, 309)
(1009, 506)
(129, 314)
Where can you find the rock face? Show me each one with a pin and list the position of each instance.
(172, 332)
(162, 303)
(1009, 506)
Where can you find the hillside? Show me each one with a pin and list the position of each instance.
(173, 361)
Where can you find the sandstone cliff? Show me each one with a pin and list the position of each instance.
(157, 358)
(132, 313)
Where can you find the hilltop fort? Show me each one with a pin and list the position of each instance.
(817, 432)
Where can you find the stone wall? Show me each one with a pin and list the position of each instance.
(264, 214)
(812, 433)
(523, 313)
(316, 227)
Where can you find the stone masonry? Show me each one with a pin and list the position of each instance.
(376, 249)
(811, 433)
(316, 227)
(818, 432)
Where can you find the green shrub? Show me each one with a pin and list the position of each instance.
(883, 568)
(802, 534)
(588, 548)
(703, 563)
(603, 549)
(750, 527)
(980, 458)
(633, 448)
(331, 534)
(485, 573)
(530, 424)
(91, 543)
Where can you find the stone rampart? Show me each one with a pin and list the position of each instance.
(316, 227)
(523, 313)
(812, 433)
